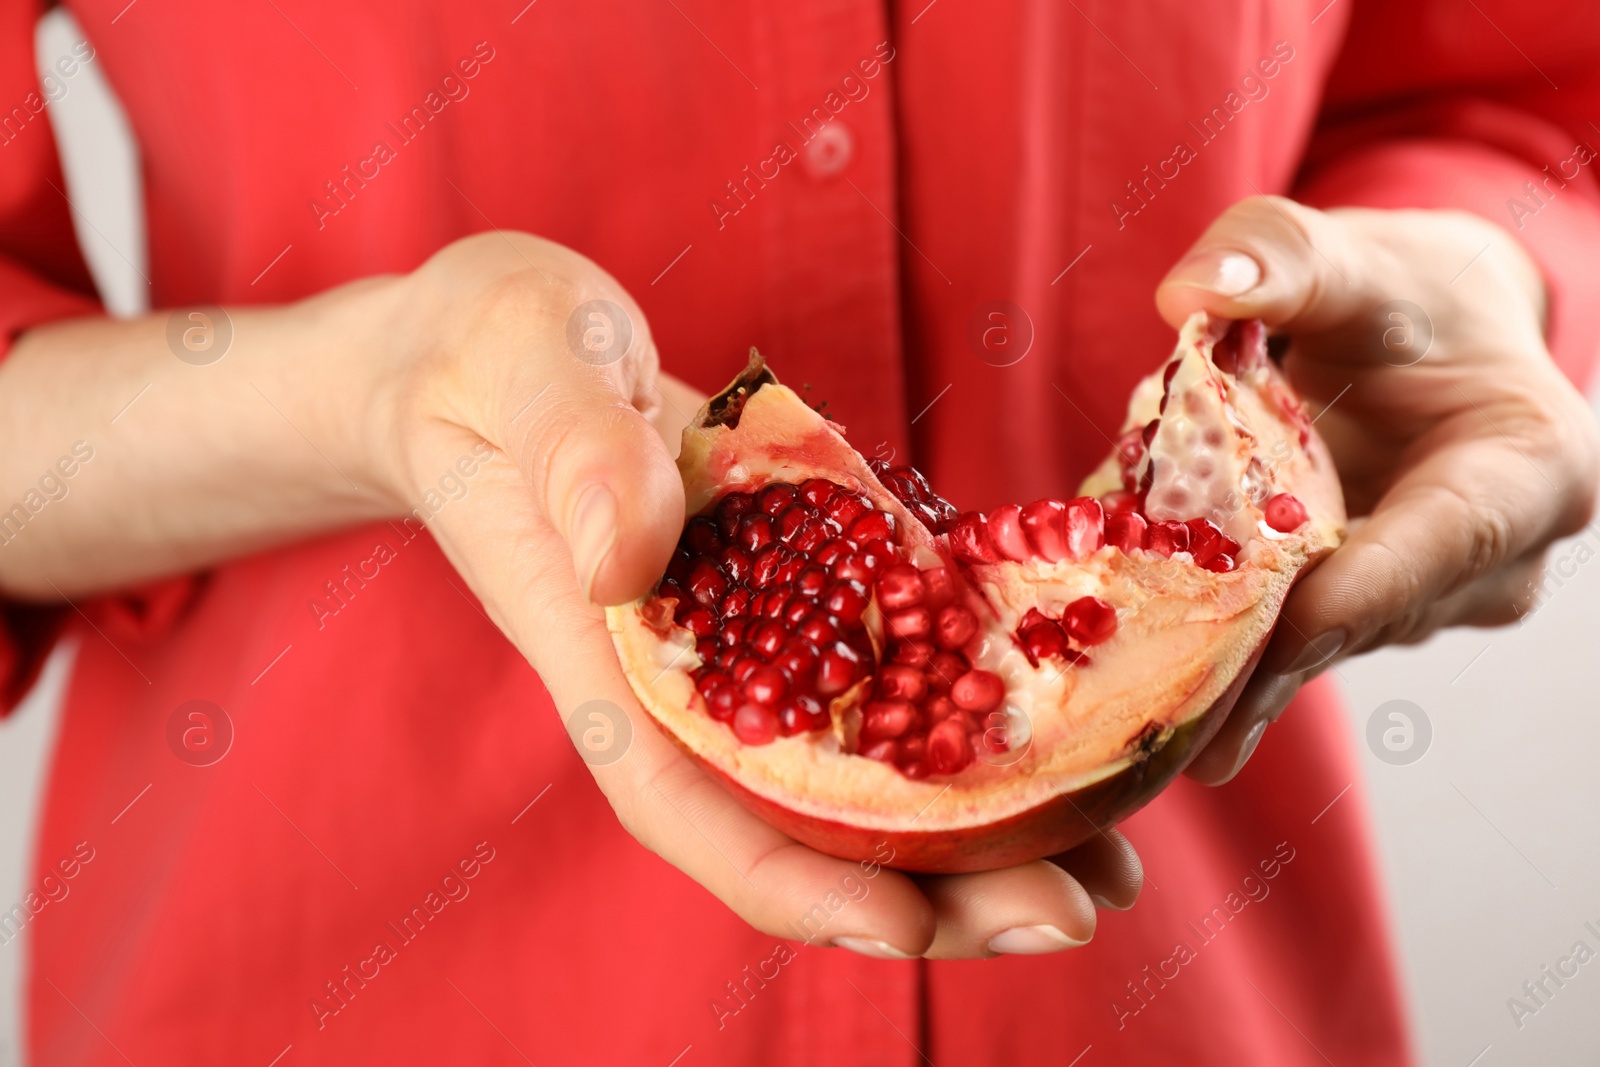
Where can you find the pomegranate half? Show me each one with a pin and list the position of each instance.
(863, 665)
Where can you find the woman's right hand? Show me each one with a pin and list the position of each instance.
(583, 507)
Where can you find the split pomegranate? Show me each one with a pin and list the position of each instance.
(862, 663)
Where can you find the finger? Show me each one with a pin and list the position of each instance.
(1270, 258)
(517, 563)
(1262, 701)
(1027, 910)
(1458, 514)
(1108, 868)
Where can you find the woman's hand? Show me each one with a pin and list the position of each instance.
(1460, 444)
(586, 509)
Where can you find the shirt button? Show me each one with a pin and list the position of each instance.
(829, 151)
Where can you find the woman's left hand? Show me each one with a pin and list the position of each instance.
(1416, 337)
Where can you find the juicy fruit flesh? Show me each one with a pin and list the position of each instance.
(776, 584)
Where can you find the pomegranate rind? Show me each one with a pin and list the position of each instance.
(1087, 745)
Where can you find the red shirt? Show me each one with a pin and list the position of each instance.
(845, 185)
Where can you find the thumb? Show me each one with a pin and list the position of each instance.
(1270, 258)
(602, 477)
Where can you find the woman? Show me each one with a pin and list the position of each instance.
(392, 854)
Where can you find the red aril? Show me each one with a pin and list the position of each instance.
(860, 663)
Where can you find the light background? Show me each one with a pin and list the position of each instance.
(1488, 841)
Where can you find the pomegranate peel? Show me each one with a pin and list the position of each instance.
(860, 663)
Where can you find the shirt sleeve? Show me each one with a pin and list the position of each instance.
(1437, 105)
(43, 277)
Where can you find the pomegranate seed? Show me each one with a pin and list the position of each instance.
(949, 751)
(701, 535)
(754, 724)
(846, 508)
(1285, 513)
(904, 489)
(775, 498)
(706, 648)
(774, 601)
(801, 714)
(978, 691)
(886, 718)
(735, 563)
(1125, 530)
(736, 603)
(913, 624)
(733, 507)
(1167, 538)
(764, 566)
(809, 537)
(1085, 526)
(789, 568)
(1221, 563)
(818, 628)
(1118, 502)
(830, 551)
(1005, 530)
(1045, 640)
(919, 484)
(943, 670)
(854, 568)
(899, 682)
(788, 524)
(873, 526)
(733, 629)
(743, 667)
(846, 601)
(799, 661)
(817, 491)
(940, 707)
(941, 586)
(955, 626)
(754, 532)
(724, 701)
(882, 751)
(1090, 620)
(699, 621)
(916, 653)
(1043, 522)
(837, 669)
(969, 539)
(926, 514)
(798, 607)
(900, 586)
(710, 681)
(766, 686)
(811, 581)
(706, 582)
(878, 554)
(1149, 432)
(768, 638)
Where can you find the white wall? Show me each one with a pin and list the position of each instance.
(1488, 839)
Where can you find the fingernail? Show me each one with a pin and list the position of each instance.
(1318, 651)
(1031, 941)
(1103, 903)
(880, 950)
(1221, 271)
(1247, 748)
(593, 533)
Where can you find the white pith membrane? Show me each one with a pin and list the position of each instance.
(1224, 446)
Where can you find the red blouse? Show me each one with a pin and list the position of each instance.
(848, 185)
